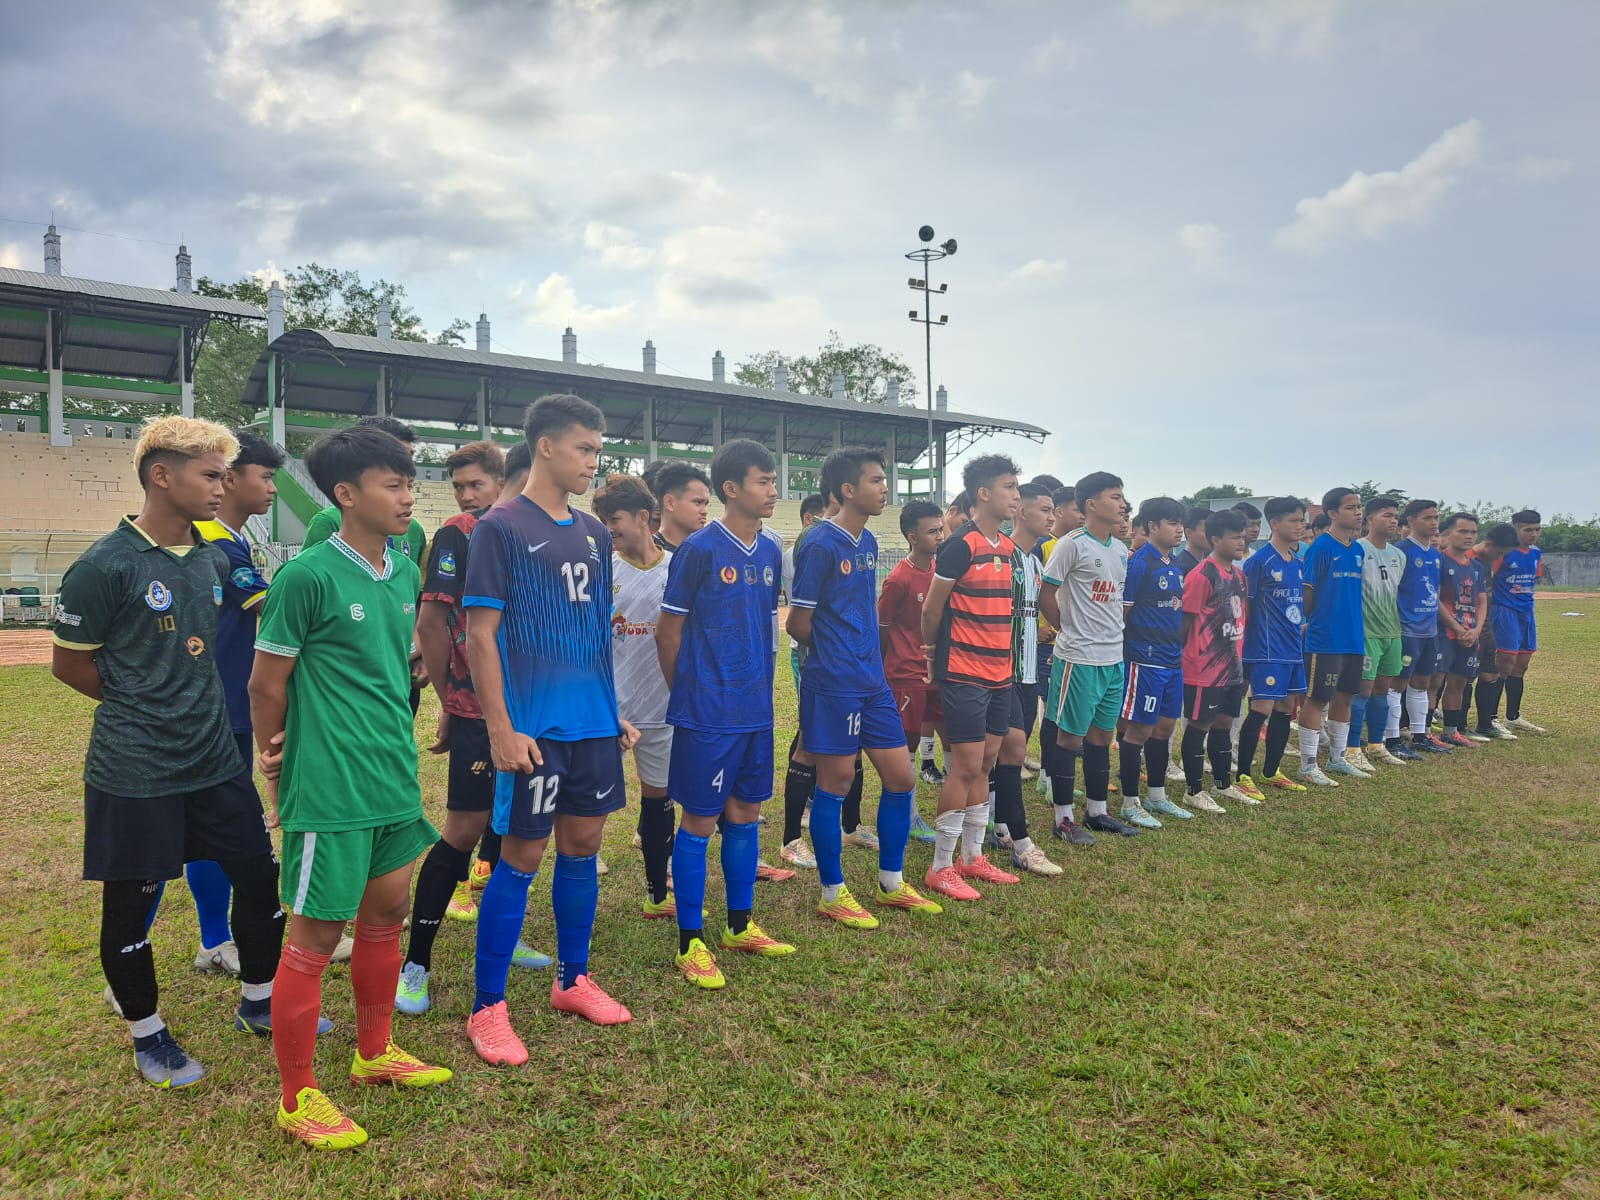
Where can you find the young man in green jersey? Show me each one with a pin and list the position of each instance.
(1383, 670)
(136, 630)
(331, 677)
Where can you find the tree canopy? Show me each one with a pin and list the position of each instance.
(867, 371)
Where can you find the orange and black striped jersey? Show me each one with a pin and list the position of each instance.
(975, 634)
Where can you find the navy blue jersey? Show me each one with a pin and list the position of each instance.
(1152, 631)
(1461, 582)
(551, 581)
(1186, 560)
(1275, 632)
(727, 593)
(242, 596)
(1333, 570)
(1516, 577)
(1419, 590)
(836, 576)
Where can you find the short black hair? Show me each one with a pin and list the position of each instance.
(962, 503)
(1093, 484)
(1526, 516)
(1224, 520)
(551, 416)
(1049, 482)
(519, 460)
(1321, 521)
(732, 463)
(1195, 518)
(813, 503)
(1504, 536)
(1418, 507)
(914, 512)
(1032, 490)
(256, 451)
(393, 428)
(623, 493)
(844, 467)
(344, 455)
(982, 471)
(1456, 518)
(1334, 497)
(1063, 496)
(1376, 505)
(1283, 506)
(672, 476)
(1157, 509)
(1249, 511)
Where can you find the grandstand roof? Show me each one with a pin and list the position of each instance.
(336, 372)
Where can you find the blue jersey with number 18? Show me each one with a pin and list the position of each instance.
(551, 581)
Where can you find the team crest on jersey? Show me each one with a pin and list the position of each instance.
(1162, 582)
(216, 594)
(766, 576)
(1236, 607)
(408, 608)
(157, 596)
(1293, 613)
(844, 566)
(619, 624)
(1277, 575)
(195, 646)
(730, 575)
(358, 612)
(750, 573)
(594, 549)
(242, 577)
(447, 565)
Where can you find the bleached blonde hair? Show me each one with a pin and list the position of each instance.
(187, 437)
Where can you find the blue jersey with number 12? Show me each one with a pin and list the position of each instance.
(836, 576)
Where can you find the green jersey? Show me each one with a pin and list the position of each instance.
(327, 522)
(350, 755)
(149, 615)
(1380, 589)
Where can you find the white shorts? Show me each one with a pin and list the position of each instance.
(652, 754)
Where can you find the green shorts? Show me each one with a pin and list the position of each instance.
(1081, 696)
(325, 874)
(1382, 658)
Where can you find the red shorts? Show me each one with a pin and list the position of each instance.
(918, 704)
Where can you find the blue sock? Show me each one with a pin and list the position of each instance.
(212, 893)
(500, 916)
(740, 849)
(894, 829)
(1358, 720)
(689, 878)
(827, 836)
(155, 905)
(1377, 717)
(574, 895)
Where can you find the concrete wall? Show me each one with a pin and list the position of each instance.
(48, 488)
(1572, 570)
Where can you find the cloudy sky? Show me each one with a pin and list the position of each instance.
(1284, 243)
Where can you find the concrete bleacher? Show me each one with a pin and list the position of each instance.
(45, 488)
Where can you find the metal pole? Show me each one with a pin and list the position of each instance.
(927, 342)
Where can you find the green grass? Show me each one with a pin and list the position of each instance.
(1388, 993)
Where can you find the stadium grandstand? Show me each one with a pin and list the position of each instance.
(66, 479)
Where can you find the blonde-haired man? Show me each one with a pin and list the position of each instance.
(136, 630)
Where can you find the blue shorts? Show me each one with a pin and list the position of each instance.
(1514, 630)
(581, 779)
(708, 767)
(1151, 694)
(1456, 659)
(849, 724)
(1418, 656)
(1275, 681)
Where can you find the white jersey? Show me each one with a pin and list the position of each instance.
(1089, 576)
(1032, 581)
(635, 608)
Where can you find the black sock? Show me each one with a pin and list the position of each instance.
(1096, 771)
(850, 813)
(1513, 687)
(798, 785)
(1047, 746)
(1277, 742)
(1063, 775)
(1249, 735)
(1157, 757)
(125, 954)
(1454, 719)
(444, 867)
(1488, 695)
(1008, 808)
(655, 839)
(1219, 747)
(1128, 754)
(738, 919)
(685, 936)
(489, 847)
(257, 919)
(1193, 752)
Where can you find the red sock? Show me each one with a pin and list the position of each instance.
(296, 1005)
(374, 972)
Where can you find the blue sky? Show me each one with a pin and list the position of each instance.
(1286, 244)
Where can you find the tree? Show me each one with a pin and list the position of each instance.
(867, 370)
(1215, 491)
(1371, 491)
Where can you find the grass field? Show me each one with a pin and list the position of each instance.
(1386, 992)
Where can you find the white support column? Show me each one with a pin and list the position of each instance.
(783, 458)
(274, 407)
(838, 435)
(894, 470)
(650, 454)
(56, 408)
(382, 406)
(483, 408)
(716, 427)
(186, 365)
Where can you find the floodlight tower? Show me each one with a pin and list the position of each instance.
(925, 254)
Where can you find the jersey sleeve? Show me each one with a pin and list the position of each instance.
(417, 543)
(685, 576)
(1197, 590)
(1315, 571)
(1134, 579)
(245, 586)
(86, 607)
(290, 612)
(1252, 576)
(321, 527)
(1061, 559)
(444, 580)
(488, 582)
(788, 570)
(955, 556)
(813, 565)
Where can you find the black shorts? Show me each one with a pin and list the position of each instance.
(1459, 660)
(1330, 673)
(151, 837)
(471, 785)
(973, 712)
(1202, 705)
(1027, 707)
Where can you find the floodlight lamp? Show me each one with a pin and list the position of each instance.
(912, 314)
(949, 247)
(944, 287)
(926, 233)
(943, 320)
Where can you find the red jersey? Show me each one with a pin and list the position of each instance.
(1215, 596)
(443, 583)
(900, 612)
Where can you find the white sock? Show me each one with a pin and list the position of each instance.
(947, 832)
(925, 749)
(256, 991)
(1097, 808)
(1310, 739)
(1391, 727)
(1158, 793)
(830, 892)
(1417, 706)
(974, 826)
(152, 1024)
(1063, 812)
(1021, 846)
(890, 881)
(1339, 731)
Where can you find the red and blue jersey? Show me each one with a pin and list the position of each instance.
(1516, 577)
(1332, 569)
(1276, 631)
(1152, 632)
(1461, 582)
(1419, 590)
(836, 576)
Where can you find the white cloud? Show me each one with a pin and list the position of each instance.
(617, 247)
(1534, 169)
(1204, 242)
(1370, 206)
(1038, 270)
(10, 254)
(555, 302)
(1056, 51)
(906, 106)
(1300, 27)
(970, 90)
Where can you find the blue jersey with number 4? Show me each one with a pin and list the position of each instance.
(551, 581)
(836, 576)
